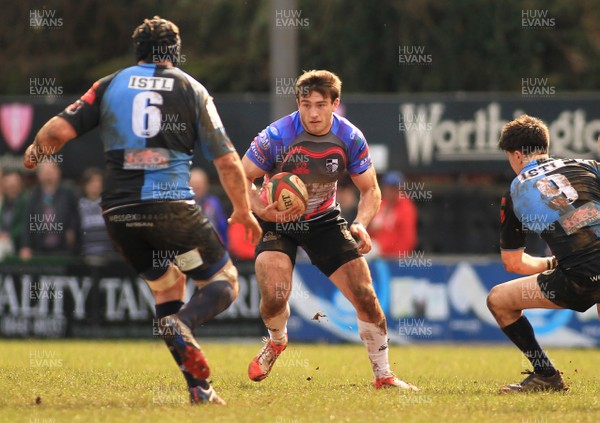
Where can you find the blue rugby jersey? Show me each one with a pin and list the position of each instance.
(151, 118)
(560, 200)
(320, 161)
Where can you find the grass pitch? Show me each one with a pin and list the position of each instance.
(129, 381)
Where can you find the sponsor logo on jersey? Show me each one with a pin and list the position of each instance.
(256, 154)
(270, 236)
(274, 132)
(146, 158)
(301, 169)
(582, 216)
(541, 169)
(263, 141)
(156, 83)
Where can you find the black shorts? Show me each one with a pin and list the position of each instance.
(326, 240)
(151, 236)
(567, 291)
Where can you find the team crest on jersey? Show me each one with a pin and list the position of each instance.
(331, 165)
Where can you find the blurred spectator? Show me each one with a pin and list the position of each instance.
(394, 228)
(96, 246)
(239, 247)
(347, 198)
(52, 216)
(12, 213)
(211, 206)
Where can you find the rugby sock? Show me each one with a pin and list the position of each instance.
(206, 303)
(521, 334)
(374, 336)
(164, 310)
(277, 326)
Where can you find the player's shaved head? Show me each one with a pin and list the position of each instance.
(326, 83)
(525, 134)
(157, 40)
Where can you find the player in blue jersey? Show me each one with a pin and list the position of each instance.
(560, 200)
(318, 146)
(151, 118)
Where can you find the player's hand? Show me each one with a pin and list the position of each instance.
(29, 159)
(271, 214)
(362, 237)
(253, 229)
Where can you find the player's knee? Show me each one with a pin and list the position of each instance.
(363, 297)
(494, 299)
(171, 280)
(228, 273)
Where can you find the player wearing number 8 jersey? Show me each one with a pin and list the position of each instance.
(151, 117)
(560, 200)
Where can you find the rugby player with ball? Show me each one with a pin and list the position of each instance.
(317, 146)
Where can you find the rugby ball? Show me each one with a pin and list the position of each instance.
(286, 189)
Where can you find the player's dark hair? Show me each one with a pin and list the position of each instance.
(157, 40)
(326, 83)
(526, 134)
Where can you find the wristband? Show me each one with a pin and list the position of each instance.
(551, 263)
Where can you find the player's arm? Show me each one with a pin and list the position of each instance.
(368, 205)
(268, 213)
(518, 261)
(49, 140)
(231, 175)
(512, 244)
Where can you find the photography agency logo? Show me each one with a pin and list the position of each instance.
(286, 419)
(536, 19)
(537, 223)
(543, 293)
(414, 328)
(44, 358)
(413, 55)
(414, 259)
(167, 54)
(165, 327)
(415, 191)
(45, 223)
(169, 122)
(413, 122)
(536, 359)
(290, 18)
(168, 191)
(286, 87)
(44, 19)
(537, 88)
(162, 395)
(293, 358)
(284, 291)
(46, 154)
(44, 87)
(291, 223)
(45, 290)
(161, 259)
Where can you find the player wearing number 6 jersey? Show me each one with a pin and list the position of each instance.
(560, 200)
(151, 118)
